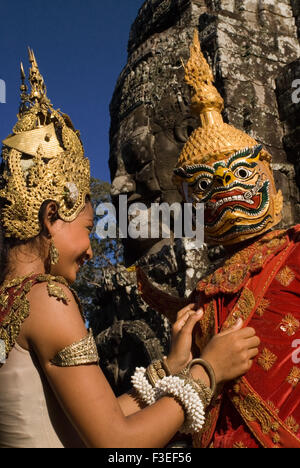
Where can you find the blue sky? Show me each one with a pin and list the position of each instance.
(81, 48)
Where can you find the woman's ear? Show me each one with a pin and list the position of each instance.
(49, 217)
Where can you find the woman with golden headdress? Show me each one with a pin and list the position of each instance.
(52, 390)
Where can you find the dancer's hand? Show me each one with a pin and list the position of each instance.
(182, 330)
(231, 352)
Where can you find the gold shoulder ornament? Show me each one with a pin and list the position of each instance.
(79, 353)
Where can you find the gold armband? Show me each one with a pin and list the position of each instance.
(77, 354)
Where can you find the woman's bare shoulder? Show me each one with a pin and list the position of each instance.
(54, 321)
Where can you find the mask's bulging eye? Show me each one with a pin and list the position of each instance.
(242, 173)
(203, 184)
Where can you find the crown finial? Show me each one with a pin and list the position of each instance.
(206, 100)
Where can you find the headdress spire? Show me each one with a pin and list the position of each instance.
(206, 100)
(214, 139)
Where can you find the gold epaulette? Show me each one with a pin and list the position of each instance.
(77, 354)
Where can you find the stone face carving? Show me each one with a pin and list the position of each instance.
(248, 43)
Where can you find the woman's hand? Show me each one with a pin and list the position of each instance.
(182, 330)
(231, 352)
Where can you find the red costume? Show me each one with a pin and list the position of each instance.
(261, 284)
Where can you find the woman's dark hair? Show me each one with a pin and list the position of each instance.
(6, 244)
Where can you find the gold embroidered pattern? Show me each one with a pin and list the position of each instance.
(239, 445)
(289, 325)
(264, 304)
(292, 424)
(3, 300)
(285, 276)
(294, 377)
(267, 359)
(251, 409)
(207, 325)
(243, 308)
(272, 406)
(231, 277)
(246, 303)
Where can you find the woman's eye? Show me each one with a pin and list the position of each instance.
(203, 184)
(242, 173)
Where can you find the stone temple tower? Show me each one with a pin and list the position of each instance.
(253, 48)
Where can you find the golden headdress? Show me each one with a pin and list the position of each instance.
(214, 140)
(43, 160)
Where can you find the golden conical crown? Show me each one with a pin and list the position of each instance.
(214, 139)
(43, 160)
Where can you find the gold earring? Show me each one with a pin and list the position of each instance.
(53, 253)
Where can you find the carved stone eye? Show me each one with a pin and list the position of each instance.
(242, 173)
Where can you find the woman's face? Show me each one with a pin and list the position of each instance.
(72, 241)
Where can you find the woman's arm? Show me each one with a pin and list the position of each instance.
(83, 391)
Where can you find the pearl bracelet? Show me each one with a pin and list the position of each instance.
(179, 389)
(188, 397)
(143, 387)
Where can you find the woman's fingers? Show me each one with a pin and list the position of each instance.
(253, 352)
(237, 326)
(192, 320)
(188, 319)
(247, 332)
(253, 342)
(186, 309)
(182, 320)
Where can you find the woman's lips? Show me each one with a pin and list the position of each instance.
(80, 262)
